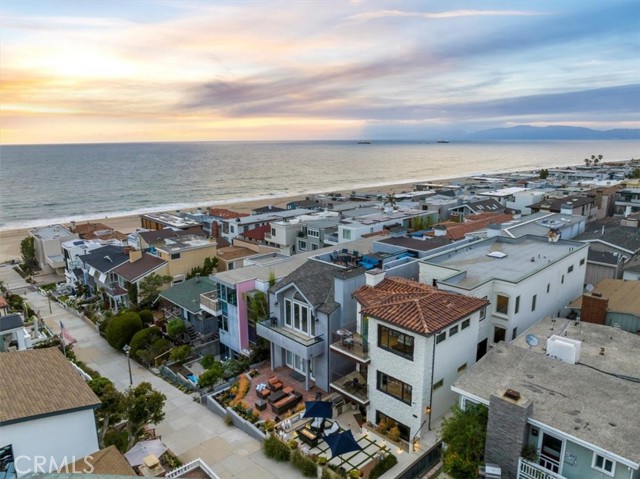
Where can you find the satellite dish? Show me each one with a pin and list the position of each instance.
(589, 288)
(532, 340)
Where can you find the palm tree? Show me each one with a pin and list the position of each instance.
(597, 160)
(390, 200)
(587, 161)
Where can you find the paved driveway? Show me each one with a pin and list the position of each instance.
(189, 429)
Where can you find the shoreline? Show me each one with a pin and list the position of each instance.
(126, 223)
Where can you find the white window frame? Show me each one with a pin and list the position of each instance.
(604, 461)
(297, 321)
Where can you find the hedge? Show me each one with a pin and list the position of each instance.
(383, 466)
(307, 467)
(275, 449)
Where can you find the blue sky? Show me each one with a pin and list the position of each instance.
(193, 70)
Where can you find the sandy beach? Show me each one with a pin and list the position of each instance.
(10, 239)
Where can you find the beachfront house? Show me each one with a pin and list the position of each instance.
(140, 265)
(183, 253)
(48, 242)
(560, 402)
(160, 221)
(524, 279)
(47, 412)
(582, 205)
(410, 343)
(233, 227)
(351, 229)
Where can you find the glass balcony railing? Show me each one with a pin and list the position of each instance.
(348, 342)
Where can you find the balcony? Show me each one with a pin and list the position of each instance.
(331, 239)
(531, 470)
(298, 343)
(114, 289)
(348, 343)
(353, 386)
(210, 303)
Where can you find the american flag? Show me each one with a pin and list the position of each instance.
(65, 335)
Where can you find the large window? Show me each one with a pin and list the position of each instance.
(502, 304)
(404, 430)
(395, 341)
(346, 234)
(603, 464)
(394, 387)
(297, 316)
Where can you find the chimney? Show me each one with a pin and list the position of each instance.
(440, 230)
(135, 255)
(374, 277)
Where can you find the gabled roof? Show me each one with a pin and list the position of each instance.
(136, 270)
(415, 306)
(106, 258)
(314, 279)
(610, 231)
(10, 321)
(484, 206)
(40, 382)
(267, 209)
(187, 294)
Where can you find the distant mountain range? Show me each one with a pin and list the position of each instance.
(525, 132)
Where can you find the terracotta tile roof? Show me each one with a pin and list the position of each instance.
(226, 214)
(89, 231)
(257, 233)
(415, 306)
(107, 461)
(457, 231)
(40, 382)
(133, 271)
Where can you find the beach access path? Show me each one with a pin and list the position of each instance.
(189, 429)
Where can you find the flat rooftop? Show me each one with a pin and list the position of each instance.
(174, 221)
(174, 245)
(512, 259)
(51, 232)
(504, 191)
(538, 224)
(576, 399)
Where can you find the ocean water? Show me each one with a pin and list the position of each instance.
(57, 183)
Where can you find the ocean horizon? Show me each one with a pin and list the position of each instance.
(44, 184)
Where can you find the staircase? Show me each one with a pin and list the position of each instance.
(192, 333)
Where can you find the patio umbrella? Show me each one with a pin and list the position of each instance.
(135, 456)
(318, 409)
(342, 443)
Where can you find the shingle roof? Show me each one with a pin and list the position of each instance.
(606, 257)
(415, 306)
(10, 321)
(314, 279)
(133, 271)
(106, 258)
(625, 237)
(187, 294)
(40, 382)
(108, 461)
(623, 296)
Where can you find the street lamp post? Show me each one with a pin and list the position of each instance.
(127, 350)
(49, 299)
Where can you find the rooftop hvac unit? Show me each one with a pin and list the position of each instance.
(568, 350)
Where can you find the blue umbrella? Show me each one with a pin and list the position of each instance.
(342, 443)
(318, 409)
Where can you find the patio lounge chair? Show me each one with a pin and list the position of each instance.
(317, 425)
(333, 428)
(275, 384)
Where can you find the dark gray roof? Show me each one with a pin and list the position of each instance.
(151, 237)
(624, 237)
(10, 321)
(314, 279)
(267, 209)
(555, 204)
(484, 206)
(604, 257)
(106, 258)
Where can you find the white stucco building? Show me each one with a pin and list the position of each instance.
(524, 279)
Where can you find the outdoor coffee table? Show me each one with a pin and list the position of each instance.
(261, 404)
(276, 396)
(308, 436)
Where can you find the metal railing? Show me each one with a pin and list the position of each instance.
(352, 384)
(210, 301)
(348, 342)
(530, 470)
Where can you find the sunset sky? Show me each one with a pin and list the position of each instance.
(174, 70)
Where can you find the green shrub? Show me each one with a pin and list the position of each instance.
(175, 327)
(121, 329)
(328, 474)
(118, 438)
(321, 460)
(305, 465)
(143, 339)
(277, 450)
(207, 361)
(181, 352)
(383, 466)
(146, 315)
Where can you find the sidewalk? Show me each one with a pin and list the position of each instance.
(189, 429)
